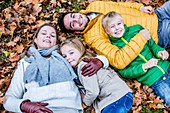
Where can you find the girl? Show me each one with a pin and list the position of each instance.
(105, 90)
(43, 81)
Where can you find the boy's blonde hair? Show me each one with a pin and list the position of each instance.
(107, 17)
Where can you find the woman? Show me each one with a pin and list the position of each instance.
(43, 81)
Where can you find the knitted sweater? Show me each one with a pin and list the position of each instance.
(97, 39)
(135, 68)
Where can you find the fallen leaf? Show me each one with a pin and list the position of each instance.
(13, 26)
(14, 57)
(146, 1)
(6, 53)
(19, 48)
(11, 43)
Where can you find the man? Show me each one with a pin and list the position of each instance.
(88, 22)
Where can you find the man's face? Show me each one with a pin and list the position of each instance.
(75, 21)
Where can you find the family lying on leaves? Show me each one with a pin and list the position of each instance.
(57, 77)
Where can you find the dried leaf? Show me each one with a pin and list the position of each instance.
(146, 1)
(14, 57)
(6, 53)
(19, 48)
(12, 27)
(36, 9)
(11, 43)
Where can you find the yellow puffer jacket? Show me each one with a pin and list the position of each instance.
(98, 40)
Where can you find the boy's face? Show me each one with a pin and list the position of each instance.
(71, 54)
(115, 27)
(46, 37)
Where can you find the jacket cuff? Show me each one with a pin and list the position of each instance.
(104, 60)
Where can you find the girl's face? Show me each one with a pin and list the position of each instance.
(46, 38)
(115, 27)
(71, 54)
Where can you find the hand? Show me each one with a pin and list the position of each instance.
(145, 33)
(163, 54)
(94, 64)
(151, 63)
(34, 107)
(147, 9)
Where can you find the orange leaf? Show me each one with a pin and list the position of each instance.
(35, 1)
(153, 105)
(19, 48)
(145, 1)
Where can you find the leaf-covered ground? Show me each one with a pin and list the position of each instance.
(20, 18)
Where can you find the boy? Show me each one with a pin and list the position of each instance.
(150, 66)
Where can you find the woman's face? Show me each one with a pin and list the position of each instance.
(71, 54)
(46, 38)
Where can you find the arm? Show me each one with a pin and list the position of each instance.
(118, 58)
(154, 47)
(105, 4)
(133, 71)
(90, 84)
(13, 96)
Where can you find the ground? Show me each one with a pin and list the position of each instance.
(20, 18)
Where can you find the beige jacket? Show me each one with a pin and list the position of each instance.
(103, 88)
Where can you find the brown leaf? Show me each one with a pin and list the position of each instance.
(145, 1)
(31, 19)
(153, 105)
(14, 57)
(28, 2)
(11, 43)
(35, 2)
(36, 9)
(16, 39)
(19, 48)
(13, 26)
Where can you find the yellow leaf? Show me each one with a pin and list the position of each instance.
(0, 34)
(6, 53)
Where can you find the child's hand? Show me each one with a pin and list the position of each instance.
(151, 63)
(147, 9)
(146, 34)
(163, 54)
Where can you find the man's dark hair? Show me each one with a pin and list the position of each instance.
(61, 23)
